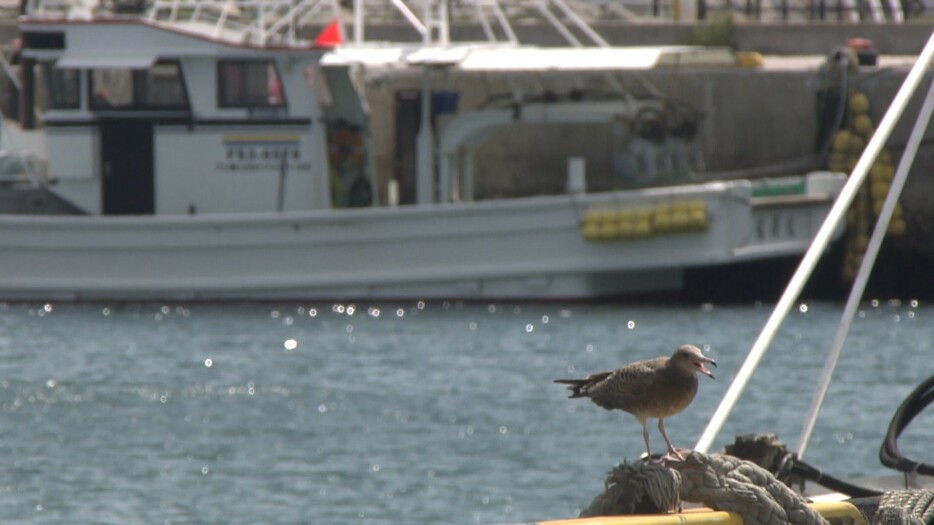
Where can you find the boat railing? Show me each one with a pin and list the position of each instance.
(258, 22)
(820, 243)
(281, 21)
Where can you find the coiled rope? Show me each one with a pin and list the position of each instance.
(727, 483)
(898, 507)
(637, 488)
(720, 482)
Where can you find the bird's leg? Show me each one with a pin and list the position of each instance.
(671, 448)
(645, 437)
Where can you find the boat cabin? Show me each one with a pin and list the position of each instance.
(140, 116)
(132, 116)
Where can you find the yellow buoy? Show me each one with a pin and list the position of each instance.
(897, 227)
(590, 230)
(878, 190)
(857, 143)
(837, 161)
(680, 219)
(609, 230)
(880, 172)
(841, 141)
(626, 229)
(859, 103)
(661, 218)
(642, 228)
(749, 59)
(862, 125)
(698, 215)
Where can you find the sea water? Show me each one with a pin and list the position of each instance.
(401, 413)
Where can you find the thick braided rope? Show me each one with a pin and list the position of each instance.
(727, 483)
(637, 488)
(895, 516)
(911, 506)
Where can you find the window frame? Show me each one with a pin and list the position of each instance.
(49, 70)
(140, 79)
(223, 102)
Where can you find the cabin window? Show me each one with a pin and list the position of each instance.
(248, 84)
(112, 88)
(159, 87)
(62, 87)
(163, 87)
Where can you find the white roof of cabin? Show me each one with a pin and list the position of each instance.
(136, 43)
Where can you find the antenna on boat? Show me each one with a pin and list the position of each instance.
(818, 245)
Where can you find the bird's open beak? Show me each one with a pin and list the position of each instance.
(702, 369)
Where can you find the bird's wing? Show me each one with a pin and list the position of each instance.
(626, 387)
(594, 379)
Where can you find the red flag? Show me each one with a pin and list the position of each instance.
(330, 36)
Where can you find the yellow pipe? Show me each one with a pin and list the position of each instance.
(839, 509)
(703, 517)
(831, 510)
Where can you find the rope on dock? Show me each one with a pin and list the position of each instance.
(720, 482)
(637, 488)
(898, 507)
(728, 483)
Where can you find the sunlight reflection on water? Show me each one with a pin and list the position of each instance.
(433, 412)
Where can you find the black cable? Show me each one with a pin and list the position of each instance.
(914, 404)
(816, 475)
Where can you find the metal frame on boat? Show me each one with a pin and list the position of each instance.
(210, 150)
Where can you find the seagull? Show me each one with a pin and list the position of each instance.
(653, 388)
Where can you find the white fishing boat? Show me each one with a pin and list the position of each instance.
(207, 150)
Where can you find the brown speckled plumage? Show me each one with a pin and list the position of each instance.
(654, 388)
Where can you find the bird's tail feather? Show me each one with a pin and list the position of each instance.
(574, 385)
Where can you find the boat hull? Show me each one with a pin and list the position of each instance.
(518, 248)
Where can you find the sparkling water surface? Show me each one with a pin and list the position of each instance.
(400, 413)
